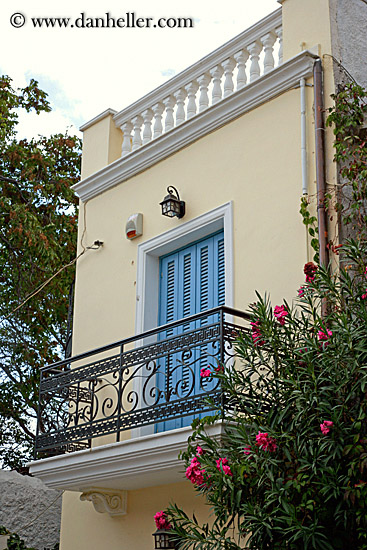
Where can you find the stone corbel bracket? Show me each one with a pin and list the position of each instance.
(110, 501)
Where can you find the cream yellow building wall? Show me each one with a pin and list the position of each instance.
(253, 162)
(102, 143)
(82, 528)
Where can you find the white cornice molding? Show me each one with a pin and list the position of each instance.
(217, 56)
(256, 93)
(97, 118)
(133, 464)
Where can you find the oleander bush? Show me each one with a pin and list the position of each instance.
(291, 469)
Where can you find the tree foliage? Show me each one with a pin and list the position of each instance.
(290, 471)
(38, 227)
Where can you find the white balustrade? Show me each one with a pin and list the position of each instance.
(180, 96)
(191, 89)
(279, 33)
(224, 72)
(158, 109)
(126, 143)
(241, 57)
(216, 74)
(268, 42)
(254, 51)
(169, 103)
(137, 124)
(147, 134)
(204, 81)
(228, 66)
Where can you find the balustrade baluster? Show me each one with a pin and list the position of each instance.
(137, 124)
(169, 103)
(216, 74)
(191, 89)
(204, 81)
(126, 143)
(147, 133)
(279, 33)
(254, 50)
(241, 57)
(268, 41)
(180, 96)
(158, 109)
(228, 66)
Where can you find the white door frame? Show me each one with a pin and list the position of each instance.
(149, 252)
(147, 282)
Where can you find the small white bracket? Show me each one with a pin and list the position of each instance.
(110, 501)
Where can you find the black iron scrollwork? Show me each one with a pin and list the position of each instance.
(152, 382)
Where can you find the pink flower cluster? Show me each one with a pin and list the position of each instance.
(326, 426)
(222, 464)
(256, 333)
(301, 291)
(280, 313)
(194, 472)
(161, 521)
(205, 373)
(265, 442)
(324, 336)
(309, 270)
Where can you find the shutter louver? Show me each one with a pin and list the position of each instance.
(221, 274)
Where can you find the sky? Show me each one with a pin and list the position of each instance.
(87, 70)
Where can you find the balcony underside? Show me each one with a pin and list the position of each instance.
(147, 461)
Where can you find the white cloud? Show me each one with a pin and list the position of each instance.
(88, 70)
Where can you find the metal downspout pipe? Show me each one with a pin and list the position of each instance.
(302, 85)
(320, 163)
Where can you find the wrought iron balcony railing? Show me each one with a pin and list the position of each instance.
(152, 379)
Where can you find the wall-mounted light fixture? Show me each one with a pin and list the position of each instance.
(172, 205)
(163, 540)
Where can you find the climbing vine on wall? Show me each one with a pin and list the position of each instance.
(348, 117)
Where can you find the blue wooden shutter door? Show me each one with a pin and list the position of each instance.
(191, 280)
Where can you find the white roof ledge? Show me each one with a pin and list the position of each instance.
(268, 86)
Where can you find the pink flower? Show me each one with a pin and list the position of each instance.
(265, 442)
(301, 291)
(161, 521)
(326, 426)
(247, 450)
(199, 451)
(280, 313)
(219, 368)
(205, 373)
(194, 473)
(222, 464)
(324, 336)
(309, 270)
(256, 333)
(364, 296)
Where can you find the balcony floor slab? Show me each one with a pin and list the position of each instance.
(146, 461)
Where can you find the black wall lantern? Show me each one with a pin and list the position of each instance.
(172, 205)
(163, 540)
